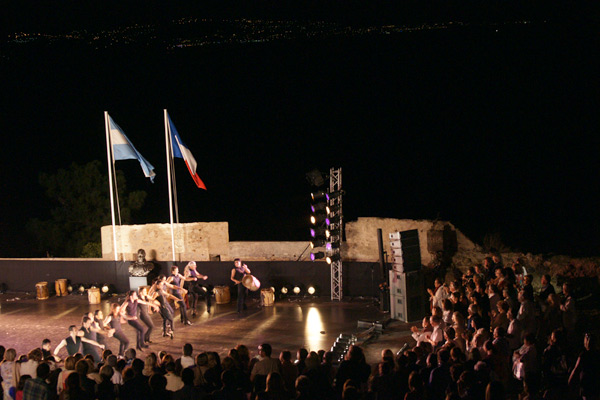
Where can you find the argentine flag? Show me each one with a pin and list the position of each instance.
(123, 149)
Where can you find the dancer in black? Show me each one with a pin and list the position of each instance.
(98, 326)
(73, 342)
(144, 313)
(91, 336)
(159, 293)
(114, 320)
(237, 274)
(194, 288)
(129, 310)
(176, 280)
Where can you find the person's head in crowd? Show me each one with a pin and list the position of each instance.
(10, 355)
(529, 339)
(411, 357)
(528, 279)
(312, 361)
(285, 357)
(121, 364)
(457, 355)
(553, 301)
(510, 314)
(213, 359)
(435, 321)
(202, 360)
(432, 360)
(70, 362)
(499, 332)
(170, 367)
(567, 289)
(502, 307)
(301, 354)
(387, 353)
(321, 354)
(454, 286)
(35, 355)
(228, 379)
(228, 363)
(545, 279)
(46, 344)
(243, 351)
(138, 366)
(447, 305)
(265, 350)
(437, 311)
(426, 325)
(350, 393)
(328, 358)
(167, 358)
(105, 354)
(302, 384)
(91, 365)
(275, 383)
(72, 383)
(557, 337)
(355, 354)
(469, 288)
(82, 367)
(130, 354)
(458, 319)
(473, 310)
(157, 383)
(187, 376)
(187, 350)
(161, 355)
(449, 333)
(128, 373)
(111, 360)
(22, 380)
(443, 356)
(106, 373)
(43, 370)
(489, 348)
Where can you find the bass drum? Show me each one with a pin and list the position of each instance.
(222, 295)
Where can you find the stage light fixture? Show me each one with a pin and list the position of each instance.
(333, 220)
(318, 218)
(334, 194)
(332, 245)
(331, 232)
(81, 289)
(319, 232)
(318, 207)
(318, 195)
(69, 288)
(284, 290)
(333, 258)
(297, 290)
(317, 242)
(105, 289)
(311, 290)
(316, 256)
(332, 209)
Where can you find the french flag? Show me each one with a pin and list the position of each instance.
(180, 150)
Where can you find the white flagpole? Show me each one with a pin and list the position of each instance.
(110, 181)
(169, 160)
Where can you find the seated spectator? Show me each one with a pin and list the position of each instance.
(423, 334)
(587, 369)
(275, 388)
(174, 382)
(228, 391)
(158, 387)
(187, 360)
(105, 390)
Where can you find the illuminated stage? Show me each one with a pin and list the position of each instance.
(313, 323)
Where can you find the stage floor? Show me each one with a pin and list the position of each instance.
(313, 323)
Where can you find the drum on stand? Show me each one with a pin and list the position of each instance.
(94, 295)
(251, 283)
(60, 285)
(42, 291)
(222, 295)
(267, 297)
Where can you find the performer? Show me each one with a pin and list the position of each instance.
(144, 316)
(90, 334)
(73, 342)
(176, 280)
(114, 321)
(129, 311)
(194, 287)
(158, 291)
(98, 326)
(237, 274)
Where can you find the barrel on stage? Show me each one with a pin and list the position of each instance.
(267, 297)
(222, 295)
(42, 291)
(60, 285)
(94, 295)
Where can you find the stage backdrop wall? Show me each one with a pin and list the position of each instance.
(21, 275)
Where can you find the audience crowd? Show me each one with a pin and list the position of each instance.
(489, 336)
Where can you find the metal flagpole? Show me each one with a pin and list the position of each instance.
(110, 181)
(169, 172)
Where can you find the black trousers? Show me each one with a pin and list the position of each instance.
(140, 332)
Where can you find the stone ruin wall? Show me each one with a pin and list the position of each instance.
(209, 241)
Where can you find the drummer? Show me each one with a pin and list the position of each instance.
(237, 274)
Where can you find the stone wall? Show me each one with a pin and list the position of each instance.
(200, 241)
(209, 241)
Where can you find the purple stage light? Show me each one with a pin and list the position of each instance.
(313, 233)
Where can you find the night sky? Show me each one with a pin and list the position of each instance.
(492, 126)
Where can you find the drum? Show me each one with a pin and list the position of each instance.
(60, 285)
(267, 297)
(42, 291)
(251, 282)
(94, 295)
(222, 295)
